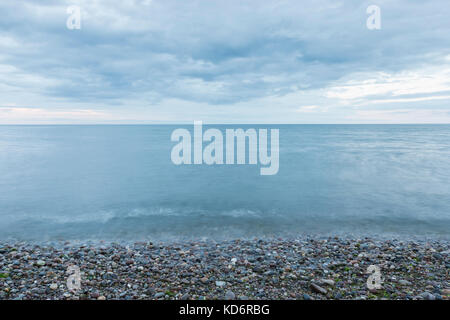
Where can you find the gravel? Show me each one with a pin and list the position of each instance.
(305, 268)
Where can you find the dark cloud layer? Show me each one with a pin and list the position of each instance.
(213, 52)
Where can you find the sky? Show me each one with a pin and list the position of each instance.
(248, 61)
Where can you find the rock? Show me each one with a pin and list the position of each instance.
(101, 298)
(337, 296)
(185, 296)
(159, 295)
(427, 296)
(445, 292)
(220, 283)
(404, 282)
(318, 289)
(230, 295)
(375, 290)
(307, 297)
(40, 263)
(53, 286)
(328, 282)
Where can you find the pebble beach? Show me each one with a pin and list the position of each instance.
(301, 269)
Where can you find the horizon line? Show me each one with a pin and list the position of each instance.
(212, 123)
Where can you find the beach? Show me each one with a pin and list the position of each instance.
(304, 268)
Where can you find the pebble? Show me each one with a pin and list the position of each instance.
(446, 292)
(230, 295)
(328, 282)
(220, 283)
(302, 267)
(185, 296)
(428, 296)
(318, 289)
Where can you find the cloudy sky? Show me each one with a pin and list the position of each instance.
(250, 61)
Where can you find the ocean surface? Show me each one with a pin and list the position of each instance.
(119, 183)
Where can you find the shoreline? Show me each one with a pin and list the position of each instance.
(303, 268)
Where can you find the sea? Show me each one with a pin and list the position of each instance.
(118, 182)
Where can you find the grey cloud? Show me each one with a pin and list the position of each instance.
(215, 52)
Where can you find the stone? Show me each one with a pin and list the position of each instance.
(427, 296)
(40, 263)
(185, 296)
(404, 282)
(220, 283)
(445, 292)
(328, 282)
(317, 288)
(230, 295)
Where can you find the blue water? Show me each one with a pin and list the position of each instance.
(118, 183)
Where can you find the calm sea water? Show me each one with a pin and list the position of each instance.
(118, 183)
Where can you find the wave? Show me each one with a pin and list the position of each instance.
(183, 223)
